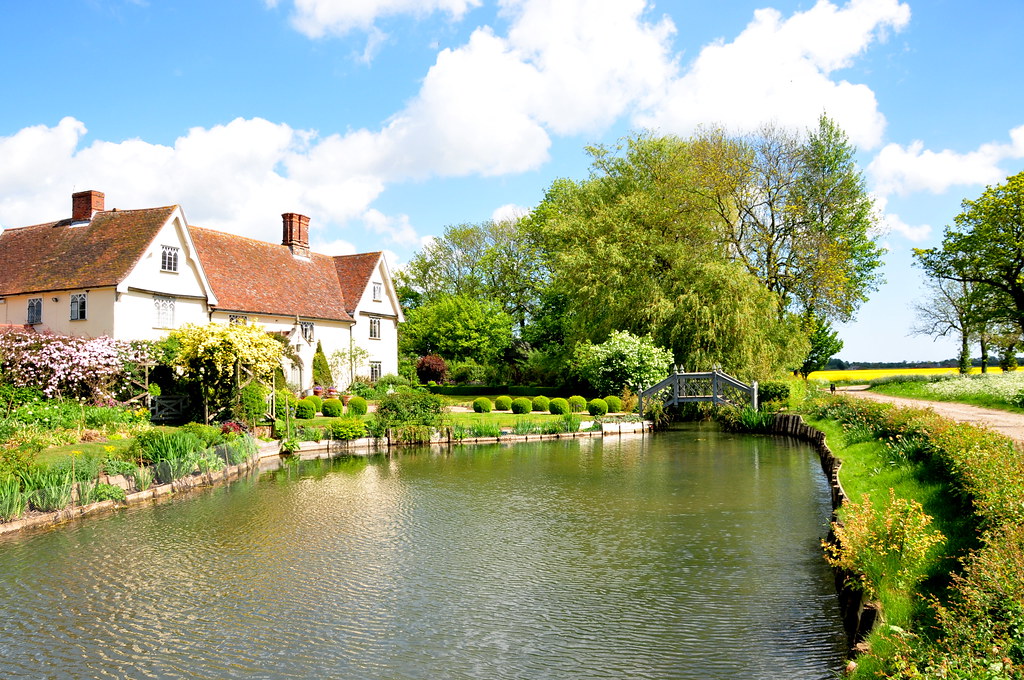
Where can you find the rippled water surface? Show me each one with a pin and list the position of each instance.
(690, 554)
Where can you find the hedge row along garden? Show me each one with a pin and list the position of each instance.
(935, 533)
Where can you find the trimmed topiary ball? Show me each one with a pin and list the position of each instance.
(597, 407)
(482, 405)
(332, 408)
(577, 404)
(558, 407)
(305, 409)
(318, 403)
(540, 403)
(503, 404)
(614, 404)
(522, 405)
(357, 406)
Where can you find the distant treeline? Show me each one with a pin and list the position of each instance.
(840, 365)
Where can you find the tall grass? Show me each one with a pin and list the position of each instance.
(47, 489)
(12, 501)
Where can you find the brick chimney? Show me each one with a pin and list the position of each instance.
(296, 233)
(85, 204)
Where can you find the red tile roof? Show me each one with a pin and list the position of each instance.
(354, 272)
(58, 256)
(258, 277)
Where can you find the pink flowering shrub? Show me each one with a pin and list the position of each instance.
(69, 367)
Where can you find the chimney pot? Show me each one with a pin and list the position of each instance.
(85, 204)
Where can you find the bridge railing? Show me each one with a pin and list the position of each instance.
(714, 386)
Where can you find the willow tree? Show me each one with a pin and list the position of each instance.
(632, 248)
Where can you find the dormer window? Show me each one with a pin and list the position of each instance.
(307, 330)
(378, 291)
(169, 259)
(35, 310)
(78, 305)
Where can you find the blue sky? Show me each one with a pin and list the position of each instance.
(386, 120)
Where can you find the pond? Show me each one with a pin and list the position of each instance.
(687, 554)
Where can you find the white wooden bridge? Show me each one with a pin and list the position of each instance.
(714, 386)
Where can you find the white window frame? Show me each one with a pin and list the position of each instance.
(374, 328)
(238, 319)
(169, 259)
(35, 305)
(79, 306)
(378, 291)
(375, 371)
(308, 333)
(164, 311)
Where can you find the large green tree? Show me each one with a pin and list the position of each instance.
(986, 247)
(795, 211)
(457, 327)
(632, 248)
(824, 341)
(492, 260)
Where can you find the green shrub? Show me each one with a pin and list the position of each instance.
(597, 407)
(503, 404)
(116, 466)
(283, 400)
(318, 403)
(357, 406)
(559, 407)
(309, 434)
(541, 403)
(107, 492)
(569, 422)
(210, 435)
(577, 404)
(482, 405)
(773, 391)
(344, 429)
(614, 403)
(332, 408)
(305, 409)
(414, 413)
(252, 403)
(522, 405)
(462, 372)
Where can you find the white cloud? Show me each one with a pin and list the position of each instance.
(781, 70)
(900, 169)
(317, 18)
(336, 247)
(237, 177)
(509, 212)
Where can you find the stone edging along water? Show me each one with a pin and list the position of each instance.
(268, 457)
(858, 616)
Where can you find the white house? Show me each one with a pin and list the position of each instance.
(135, 274)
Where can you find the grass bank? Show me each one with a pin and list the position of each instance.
(934, 528)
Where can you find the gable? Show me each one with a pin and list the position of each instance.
(59, 256)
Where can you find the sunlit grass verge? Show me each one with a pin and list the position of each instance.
(951, 608)
(990, 390)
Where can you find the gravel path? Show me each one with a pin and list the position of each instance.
(1009, 424)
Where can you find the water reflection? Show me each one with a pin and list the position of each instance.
(686, 555)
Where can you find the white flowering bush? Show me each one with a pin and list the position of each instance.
(93, 369)
(1007, 387)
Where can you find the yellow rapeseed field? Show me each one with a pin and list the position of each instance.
(867, 374)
